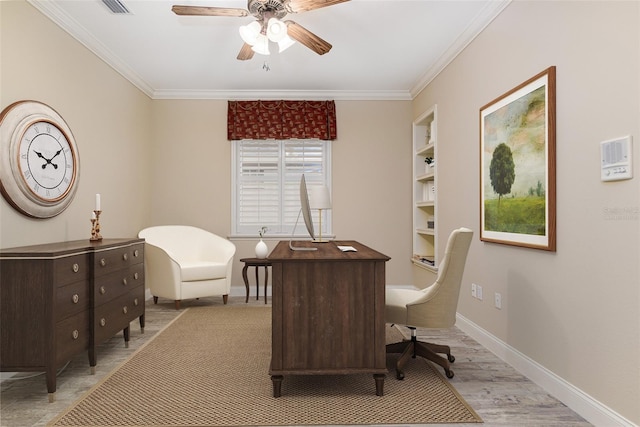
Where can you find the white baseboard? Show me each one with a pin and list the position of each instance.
(586, 406)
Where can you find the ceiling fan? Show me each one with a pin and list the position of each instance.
(268, 26)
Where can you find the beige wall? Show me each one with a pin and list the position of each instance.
(371, 165)
(109, 118)
(575, 311)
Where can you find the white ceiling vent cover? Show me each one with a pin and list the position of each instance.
(116, 6)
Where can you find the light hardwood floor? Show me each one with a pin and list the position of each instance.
(498, 393)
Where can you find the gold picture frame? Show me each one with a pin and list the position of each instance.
(518, 167)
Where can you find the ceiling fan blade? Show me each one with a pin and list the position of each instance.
(208, 11)
(307, 38)
(296, 6)
(245, 52)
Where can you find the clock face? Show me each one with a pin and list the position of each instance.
(46, 161)
(39, 161)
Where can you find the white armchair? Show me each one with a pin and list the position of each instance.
(183, 262)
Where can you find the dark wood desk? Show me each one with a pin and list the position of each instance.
(327, 312)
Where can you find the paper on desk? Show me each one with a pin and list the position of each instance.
(347, 248)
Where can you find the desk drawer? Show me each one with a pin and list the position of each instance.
(72, 299)
(72, 336)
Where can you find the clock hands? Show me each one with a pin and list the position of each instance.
(48, 160)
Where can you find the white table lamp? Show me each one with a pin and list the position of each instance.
(320, 199)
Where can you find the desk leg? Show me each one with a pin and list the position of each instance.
(246, 281)
(277, 384)
(266, 279)
(379, 378)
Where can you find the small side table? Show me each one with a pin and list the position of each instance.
(257, 263)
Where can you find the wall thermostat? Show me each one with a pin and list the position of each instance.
(616, 159)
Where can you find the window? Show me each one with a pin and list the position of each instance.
(266, 182)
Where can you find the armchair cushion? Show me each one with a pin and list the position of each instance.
(192, 271)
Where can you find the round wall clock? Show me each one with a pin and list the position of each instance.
(39, 162)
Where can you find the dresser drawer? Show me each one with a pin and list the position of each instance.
(105, 262)
(71, 269)
(137, 253)
(72, 299)
(72, 336)
(116, 315)
(115, 284)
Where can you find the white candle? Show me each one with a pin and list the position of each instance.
(98, 201)
(93, 215)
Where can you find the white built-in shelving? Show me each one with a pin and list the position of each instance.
(424, 190)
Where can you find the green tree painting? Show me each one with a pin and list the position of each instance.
(515, 166)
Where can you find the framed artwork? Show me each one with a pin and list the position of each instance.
(517, 165)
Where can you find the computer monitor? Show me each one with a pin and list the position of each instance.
(305, 210)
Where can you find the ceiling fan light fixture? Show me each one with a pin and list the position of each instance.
(276, 30)
(250, 32)
(285, 44)
(261, 45)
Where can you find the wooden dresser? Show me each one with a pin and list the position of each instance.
(60, 299)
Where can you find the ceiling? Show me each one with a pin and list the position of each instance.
(382, 49)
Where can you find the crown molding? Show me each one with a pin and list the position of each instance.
(479, 23)
(285, 94)
(75, 30)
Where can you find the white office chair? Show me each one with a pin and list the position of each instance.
(432, 307)
(183, 262)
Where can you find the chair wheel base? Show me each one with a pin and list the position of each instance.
(449, 373)
(400, 375)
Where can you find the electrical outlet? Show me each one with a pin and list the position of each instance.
(479, 292)
(474, 290)
(498, 300)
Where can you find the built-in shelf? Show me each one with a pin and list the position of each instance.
(425, 198)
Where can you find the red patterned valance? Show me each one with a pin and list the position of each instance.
(281, 120)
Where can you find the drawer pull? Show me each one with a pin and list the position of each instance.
(103, 321)
(75, 334)
(135, 302)
(124, 281)
(136, 253)
(75, 298)
(75, 267)
(103, 262)
(103, 290)
(124, 309)
(135, 276)
(125, 256)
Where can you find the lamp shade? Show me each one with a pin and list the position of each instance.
(319, 197)
(276, 30)
(250, 32)
(285, 43)
(261, 45)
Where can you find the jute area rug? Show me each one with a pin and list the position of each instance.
(210, 367)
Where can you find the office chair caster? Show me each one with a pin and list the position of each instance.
(450, 358)
(449, 373)
(399, 375)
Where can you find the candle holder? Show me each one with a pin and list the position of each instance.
(95, 227)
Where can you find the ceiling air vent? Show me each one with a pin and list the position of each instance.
(116, 6)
